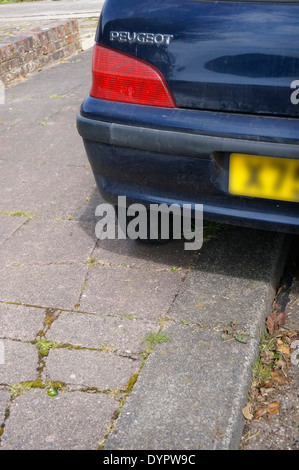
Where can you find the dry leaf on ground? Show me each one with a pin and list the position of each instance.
(273, 407)
(247, 412)
(277, 377)
(275, 320)
(261, 411)
(284, 349)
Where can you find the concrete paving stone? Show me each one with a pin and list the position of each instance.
(131, 253)
(9, 225)
(71, 149)
(226, 267)
(35, 93)
(20, 363)
(71, 421)
(55, 197)
(86, 368)
(93, 331)
(4, 402)
(187, 396)
(213, 310)
(55, 286)
(125, 291)
(20, 322)
(43, 129)
(20, 178)
(47, 241)
(40, 183)
(86, 213)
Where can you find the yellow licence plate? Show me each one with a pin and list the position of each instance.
(264, 177)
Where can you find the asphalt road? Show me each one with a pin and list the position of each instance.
(49, 9)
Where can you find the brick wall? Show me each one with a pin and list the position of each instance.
(39, 48)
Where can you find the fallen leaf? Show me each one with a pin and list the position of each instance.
(284, 349)
(240, 338)
(266, 391)
(281, 332)
(281, 363)
(247, 412)
(277, 377)
(261, 411)
(273, 407)
(275, 320)
(291, 334)
(268, 354)
(268, 384)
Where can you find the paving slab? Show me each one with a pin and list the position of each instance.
(134, 254)
(46, 192)
(86, 213)
(59, 92)
(233, 277)
(55, 286)
(93, 331)
(19, 322)
(21, 361)
(72, 421)
(191, 392)
(86, 368)
(47, 242)
(39, 181)
(124, 291)
(9, 225)
(184, 389)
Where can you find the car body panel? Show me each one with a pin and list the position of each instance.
(182, 155)
(224, 56)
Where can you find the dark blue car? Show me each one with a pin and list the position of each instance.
(197, 102)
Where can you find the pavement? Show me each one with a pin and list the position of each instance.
(78, 315)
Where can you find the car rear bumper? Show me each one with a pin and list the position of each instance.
(154, 155)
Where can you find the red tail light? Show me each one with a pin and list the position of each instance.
(120, 77)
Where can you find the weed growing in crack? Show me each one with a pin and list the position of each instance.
(44, 347)
(153, 339)
(91, 262)
(23, 387)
